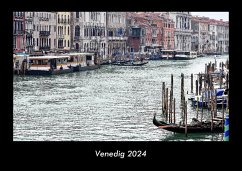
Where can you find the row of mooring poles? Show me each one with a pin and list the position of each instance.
(168, 105)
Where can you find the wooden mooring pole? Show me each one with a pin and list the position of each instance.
(186, 118)
(191, 83)
(163, 98)
(196, 87)
(174, 113)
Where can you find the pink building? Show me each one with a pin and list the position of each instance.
(18, 32)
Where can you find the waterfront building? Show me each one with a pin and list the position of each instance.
(116, 34)
(63, 31)
(200, 27)
(44, 31)
(183, 32)
(88, 32)
(18, 32)
(210, 36)
(29, 44)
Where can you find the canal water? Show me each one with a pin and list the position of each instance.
(113, 103)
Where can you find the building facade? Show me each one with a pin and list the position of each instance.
(18, 32)
(29, 27)
(63, 31)
(88, 32)
(44, 31)
(183, 32)
(116, 34)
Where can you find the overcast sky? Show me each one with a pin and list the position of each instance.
(213, 15)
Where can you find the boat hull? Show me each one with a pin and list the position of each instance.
(48, 72)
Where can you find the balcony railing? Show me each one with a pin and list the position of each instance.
(43, 19)
(76, 38)
(45, 48)
(29, 45)
(18, 32)
(117, 38)
(44, 33)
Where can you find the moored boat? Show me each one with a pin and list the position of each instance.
(48, 65)
(195, 127)
(185, 55)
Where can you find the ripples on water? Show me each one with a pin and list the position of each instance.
(112, 103)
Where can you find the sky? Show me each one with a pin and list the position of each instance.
(213, 15)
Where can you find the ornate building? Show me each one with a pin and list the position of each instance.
(183, 32)
(88, 32)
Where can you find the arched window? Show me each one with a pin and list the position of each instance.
(68, 42)
(68, 30)
(77, 14)
(77, 31)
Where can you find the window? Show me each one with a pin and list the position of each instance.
(77, 31)
(77, 14)
(65, 43)
(37, 43)
(68, 43)
(68, 19)
(50, 28)
(49, 42)
(65, 30)
(68, 30)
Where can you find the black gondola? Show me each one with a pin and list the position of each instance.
(199, 127)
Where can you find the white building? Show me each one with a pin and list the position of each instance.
(183, 32)
(44, 31)
(88, 32)
(116, 34)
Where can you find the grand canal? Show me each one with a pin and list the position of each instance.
(113, 103)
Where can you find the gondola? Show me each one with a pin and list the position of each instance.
(198, 127)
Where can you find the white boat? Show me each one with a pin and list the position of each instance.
(185, 55)
(167, 54)
(48, 65)
(81, 61)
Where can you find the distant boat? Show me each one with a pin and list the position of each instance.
(48, 65)
(168, 54)
(201, 55)
(185, 55)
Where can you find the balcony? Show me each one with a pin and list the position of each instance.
(43, 19)
(18, 32)
(29, 19)
(117, 38)
(45, 48)
(61, 36)
(44, 33)
(76, 38)
(29, 32)
(154, 35)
